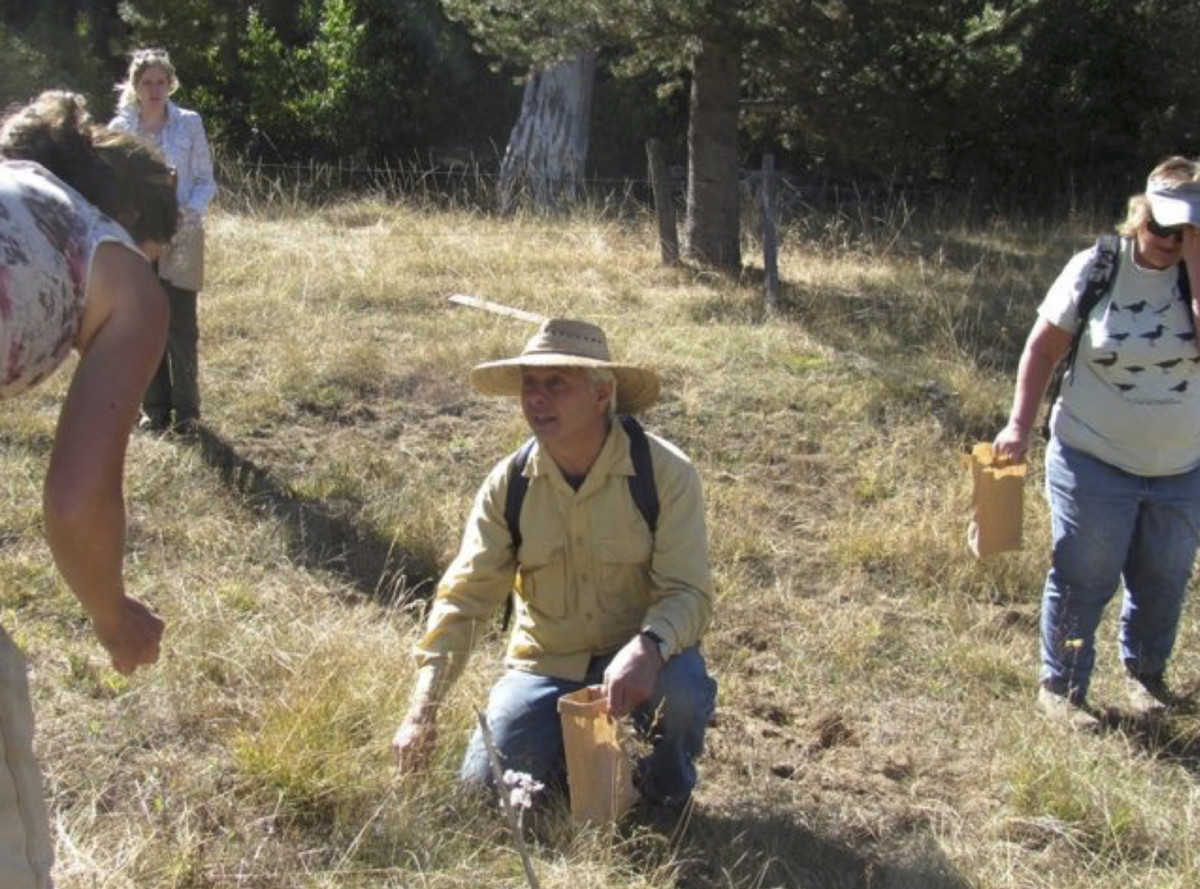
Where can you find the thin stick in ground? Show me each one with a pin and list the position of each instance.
(514, 820)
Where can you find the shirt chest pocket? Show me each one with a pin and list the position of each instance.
(624, 567)
(543, 579)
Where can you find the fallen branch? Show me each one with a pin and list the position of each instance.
(487, 305)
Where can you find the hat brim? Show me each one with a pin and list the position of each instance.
(637, 387)
(1169, 210)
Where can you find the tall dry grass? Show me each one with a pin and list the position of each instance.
(875, 724)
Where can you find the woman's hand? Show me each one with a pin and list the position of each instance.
(1011, 444)
(131, 634)
(1190, 252)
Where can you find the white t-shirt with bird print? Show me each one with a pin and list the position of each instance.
(1132, 398)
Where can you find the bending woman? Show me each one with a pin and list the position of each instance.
(81, 210)
(1123, 461)
(173, 398)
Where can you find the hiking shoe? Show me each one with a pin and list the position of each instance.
(1148, 693)
(1063, 710)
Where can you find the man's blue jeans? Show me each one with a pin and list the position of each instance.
(1110, 525)
(523, 716)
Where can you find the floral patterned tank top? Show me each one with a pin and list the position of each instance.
(48, 235)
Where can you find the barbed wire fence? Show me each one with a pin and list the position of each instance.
(472, 185)
(774, 204)
(467, 185)
(778, 209)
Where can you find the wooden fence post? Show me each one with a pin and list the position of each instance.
(770, 235)
(664, 203)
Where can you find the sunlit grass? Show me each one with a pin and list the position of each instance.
(876, 722)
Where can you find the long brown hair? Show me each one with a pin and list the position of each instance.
(124, 178)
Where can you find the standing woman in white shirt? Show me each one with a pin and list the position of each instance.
(173, 397)
(1123, 460)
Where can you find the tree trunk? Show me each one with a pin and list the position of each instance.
(712, 231)
(549, 142)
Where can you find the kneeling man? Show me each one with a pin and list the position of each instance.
(609, 591)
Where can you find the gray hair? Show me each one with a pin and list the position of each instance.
(597, 376)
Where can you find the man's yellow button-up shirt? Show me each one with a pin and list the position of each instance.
(589, 574)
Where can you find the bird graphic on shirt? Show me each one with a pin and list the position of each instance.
(1164, 308)
(1107, 361)
(1118, 337)
(1153, 336)
(1182, 387)
(1125, 387)
(1187, 337)
(1167, 365)
(1136, 308)
(1134, 368)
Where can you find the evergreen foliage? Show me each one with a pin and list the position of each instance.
(1027, 100)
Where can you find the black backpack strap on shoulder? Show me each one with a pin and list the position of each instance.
(518, 484)
(641, 484)
(1101, 274)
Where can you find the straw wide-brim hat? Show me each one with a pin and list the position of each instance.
(563, 342)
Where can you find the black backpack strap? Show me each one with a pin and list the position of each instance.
(518, 484)
(641, 484)
(1185, 293)
(1101, 274)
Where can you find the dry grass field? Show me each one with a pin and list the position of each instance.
(876, 725)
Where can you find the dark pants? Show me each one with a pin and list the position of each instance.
(175, 385)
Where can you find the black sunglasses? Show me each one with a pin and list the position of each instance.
(1174, 232)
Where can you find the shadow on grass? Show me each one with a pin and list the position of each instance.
(320, 537)
(1172, 737)
(764, 848)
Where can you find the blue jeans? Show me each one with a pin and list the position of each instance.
(1109, 525)
(523, 716)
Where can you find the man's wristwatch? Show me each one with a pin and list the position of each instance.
(658, 640)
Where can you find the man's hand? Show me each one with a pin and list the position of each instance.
(415, 740)
(131, 634)
(631, 676)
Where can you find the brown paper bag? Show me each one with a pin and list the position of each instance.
(182, 263)
(599, 772)
(996, 502)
